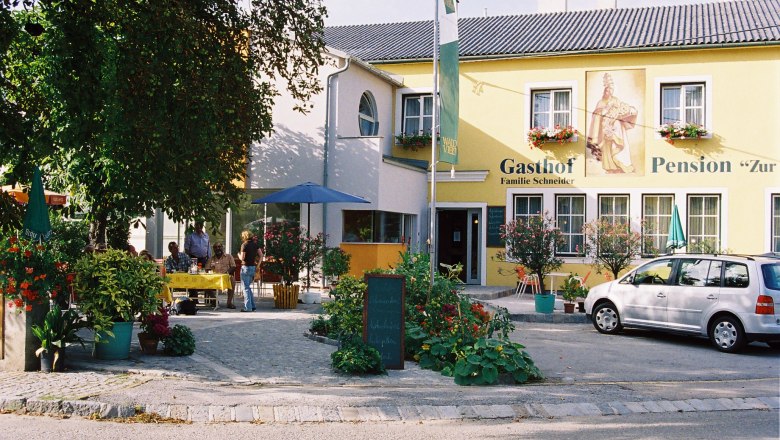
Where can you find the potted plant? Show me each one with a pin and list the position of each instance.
(571, 289)
(114, 288)
(538, 136)
(678, 130)
(154, 327)
(58, 329)
(413, 141)
(335, 263)
(290, 251)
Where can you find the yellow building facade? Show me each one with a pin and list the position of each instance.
(734, 167)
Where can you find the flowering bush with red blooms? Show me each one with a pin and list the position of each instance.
(30, 273)
(156, 324)
(289, 251)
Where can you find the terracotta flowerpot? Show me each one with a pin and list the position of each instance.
(286, 297)
(568, 307)
(148, 343)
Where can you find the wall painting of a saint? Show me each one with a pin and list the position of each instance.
(615, 134)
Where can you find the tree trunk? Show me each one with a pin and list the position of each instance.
(97, 230)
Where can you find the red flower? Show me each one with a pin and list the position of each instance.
(18, 302)
(27, 254)
(28, 308)
(13, 240)
(13, 249)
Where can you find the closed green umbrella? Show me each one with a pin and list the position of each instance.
(36, 220)
(676, 238)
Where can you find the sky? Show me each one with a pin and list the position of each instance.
(346, 12)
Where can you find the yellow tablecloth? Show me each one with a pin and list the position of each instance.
(219, 281)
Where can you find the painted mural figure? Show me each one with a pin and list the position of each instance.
(607, 137)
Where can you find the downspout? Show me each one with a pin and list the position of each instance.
(327, 139)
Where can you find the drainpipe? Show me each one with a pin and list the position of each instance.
(327, 139)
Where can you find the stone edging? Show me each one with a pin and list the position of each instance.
(311, 414)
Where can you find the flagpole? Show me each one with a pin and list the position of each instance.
(434, 138)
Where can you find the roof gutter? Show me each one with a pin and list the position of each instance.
(588, 52)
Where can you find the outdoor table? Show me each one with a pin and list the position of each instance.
(553, 286)
(201, 281)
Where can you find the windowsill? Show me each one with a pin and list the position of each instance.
(552, 142)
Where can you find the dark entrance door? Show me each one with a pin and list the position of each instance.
(452, 239)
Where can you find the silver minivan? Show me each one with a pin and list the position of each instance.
(730, 299)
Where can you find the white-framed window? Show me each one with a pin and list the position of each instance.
(570, 217)
(550, 107)
(527, 206)
(417, 114)
(684, 99)
(657, 214)
(703, 223)
(683, 103)
(775, 222)
(614, 208)
(368, 120)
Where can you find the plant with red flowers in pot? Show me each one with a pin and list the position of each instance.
(154, 327)
(31, 273)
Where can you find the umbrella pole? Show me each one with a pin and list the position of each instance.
(308, 243)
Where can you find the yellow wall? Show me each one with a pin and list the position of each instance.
(367, 256)
(745, 109)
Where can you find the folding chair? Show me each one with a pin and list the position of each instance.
(524, 281)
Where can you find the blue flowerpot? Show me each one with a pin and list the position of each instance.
(116, 347)
(544, 302)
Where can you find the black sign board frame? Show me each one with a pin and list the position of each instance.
(496, 217)
(384, 317)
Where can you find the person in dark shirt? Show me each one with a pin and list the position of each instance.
(250, 255)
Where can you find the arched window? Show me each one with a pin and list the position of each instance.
(367, 117)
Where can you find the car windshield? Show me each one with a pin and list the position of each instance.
(771, 274)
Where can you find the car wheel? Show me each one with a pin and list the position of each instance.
(727, 335)
(606, 319)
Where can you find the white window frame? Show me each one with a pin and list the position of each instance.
(656, 236)
(774, 235)
(706, 80)
(570, 250)
(719, 216)
(400, 94)
(550, 123)
(611, 214)
(372, 119)
(532, 87)
(526, 197)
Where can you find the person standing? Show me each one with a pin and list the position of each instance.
(250, 255)
(221, 262)
(196, 245)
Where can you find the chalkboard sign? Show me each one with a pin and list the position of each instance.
(496, 218)
(383, 317)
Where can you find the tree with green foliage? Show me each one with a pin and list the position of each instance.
(613, 245)
(129, 105)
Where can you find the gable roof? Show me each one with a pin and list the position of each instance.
(732, 23)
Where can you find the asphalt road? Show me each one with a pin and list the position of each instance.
(705, 425)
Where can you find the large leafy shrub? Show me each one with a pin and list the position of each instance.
(345, 312)
(356, 357)
(180, 342)
(114, 286)
(532, 243)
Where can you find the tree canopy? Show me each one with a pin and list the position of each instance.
(130, 105)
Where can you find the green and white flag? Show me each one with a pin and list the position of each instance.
(448, 80)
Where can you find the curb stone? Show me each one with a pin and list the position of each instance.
(317, 414)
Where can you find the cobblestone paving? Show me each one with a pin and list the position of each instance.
(64, 386)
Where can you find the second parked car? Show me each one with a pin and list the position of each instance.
(732, 300)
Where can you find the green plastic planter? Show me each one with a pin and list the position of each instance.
(117, 347)
(544, 302)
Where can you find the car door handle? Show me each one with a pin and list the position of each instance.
(711, 296)
(661, 295)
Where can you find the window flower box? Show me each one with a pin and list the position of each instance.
(413, 141)
(538, 136)
(679, 131)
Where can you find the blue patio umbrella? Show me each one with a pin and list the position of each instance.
(36, 220)
(676, 238)
(309, 193)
